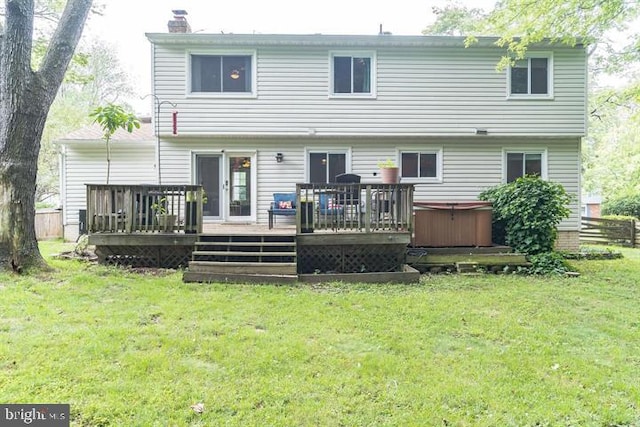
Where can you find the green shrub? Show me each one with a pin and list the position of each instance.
(548, 263)
(528, 210)
(627, 206)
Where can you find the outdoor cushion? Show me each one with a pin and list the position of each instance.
(328, 206)
(284, 204)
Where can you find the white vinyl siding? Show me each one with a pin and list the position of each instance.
(425, 91)
(85, 163)
(428, 93)
(468, 168)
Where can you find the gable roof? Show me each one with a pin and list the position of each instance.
(325, 40)
(94, 132)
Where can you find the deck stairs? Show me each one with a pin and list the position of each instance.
(243, 258)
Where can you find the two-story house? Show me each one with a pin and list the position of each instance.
(258, 113)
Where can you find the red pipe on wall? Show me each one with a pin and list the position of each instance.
(175, 122)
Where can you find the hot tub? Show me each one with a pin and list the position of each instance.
(450, 224)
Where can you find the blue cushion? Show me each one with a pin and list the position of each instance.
(283, 197)
(324, 205)
(280, 199)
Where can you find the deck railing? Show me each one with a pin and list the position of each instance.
(354, 207)
(179, 208)
(144, 208)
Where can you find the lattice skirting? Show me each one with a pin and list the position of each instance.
(351, 258)
(145, 256)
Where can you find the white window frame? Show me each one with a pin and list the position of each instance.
(327, 150)
(438, 151)
(357, 54)
(254, 74)
(529, 150)
(550, 82)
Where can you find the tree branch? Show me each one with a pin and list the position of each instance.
(64, 42)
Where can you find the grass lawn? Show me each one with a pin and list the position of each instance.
(131, 349)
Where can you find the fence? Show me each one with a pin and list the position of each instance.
(48, 224)
(610, 232)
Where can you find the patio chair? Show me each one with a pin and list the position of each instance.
(350, 198)
(283, 204)
(329, 210)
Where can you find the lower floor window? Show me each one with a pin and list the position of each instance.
(423, 164)
(521, 164)
(324, 166)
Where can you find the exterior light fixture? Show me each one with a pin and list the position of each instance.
(279, 157)
(480, 131)
(235, 74)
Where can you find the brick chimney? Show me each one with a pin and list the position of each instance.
(179, 23)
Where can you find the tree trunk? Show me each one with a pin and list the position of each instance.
(25, 98)
(108, 160)
(18, 170)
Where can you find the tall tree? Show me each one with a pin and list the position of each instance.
(456, 19)
(611, 30)
(97, 78)
(597, 23)
(26, 95)
(611, 151)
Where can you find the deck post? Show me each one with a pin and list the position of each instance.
(368, 209)
(90, 210)
(129, 203)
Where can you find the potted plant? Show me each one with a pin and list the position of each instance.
(389, 171)
(165, 220)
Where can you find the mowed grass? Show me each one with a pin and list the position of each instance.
(131, 349)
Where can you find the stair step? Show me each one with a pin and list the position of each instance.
(243, 268)
(241, 253)
(246, 239)
(201, 243)
(203, 277)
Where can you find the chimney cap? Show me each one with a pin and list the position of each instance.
(179, 12)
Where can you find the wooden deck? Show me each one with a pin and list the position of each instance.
(318, 256)
(368, 243)
(340, 229)
(254, 253)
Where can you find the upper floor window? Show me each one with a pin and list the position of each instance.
(353, 74)
(422, 166)
(221, 74)
(532, 76)
(519, 164)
